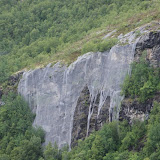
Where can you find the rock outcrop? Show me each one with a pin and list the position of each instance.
(1, 92)
(53, 92)
(132, 110)
(71, 102)
(151, 44)
(80, 121)
(11, 85)
(79, 130)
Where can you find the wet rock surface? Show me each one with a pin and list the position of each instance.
(81, 113)
(72, 102)
(132, 110)
(53, 92)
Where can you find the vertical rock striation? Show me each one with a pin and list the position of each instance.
(57, 93)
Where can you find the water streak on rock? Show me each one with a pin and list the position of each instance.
(53, 92)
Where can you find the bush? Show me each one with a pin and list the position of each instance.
(133, 138)
(107, 44)
(153, 134)
(143, 82)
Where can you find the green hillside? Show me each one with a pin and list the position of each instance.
(36, 32)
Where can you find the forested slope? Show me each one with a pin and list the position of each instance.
(18, 139)
(36, 32)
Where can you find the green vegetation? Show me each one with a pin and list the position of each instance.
(117, 141)
(143, 83)
(36, 32)
(18, 139)
(99, 45)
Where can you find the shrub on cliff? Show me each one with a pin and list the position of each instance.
(152, 147)
(143, 82)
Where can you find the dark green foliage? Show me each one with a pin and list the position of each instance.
(133, 138)
(18, 139)
(33, 32)
(118, 141)
(143, 82)
(52, 153)
(115, 141)
(153, 134)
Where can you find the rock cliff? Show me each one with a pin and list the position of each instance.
(53, 92)
(71, 102)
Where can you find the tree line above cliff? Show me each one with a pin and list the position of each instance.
(36, 32)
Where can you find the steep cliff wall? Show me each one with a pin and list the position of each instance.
(53, 92)
(71, 102)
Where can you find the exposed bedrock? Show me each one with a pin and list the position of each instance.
(81, 116)
(151, 44)
(71, 102)
(82, 125)
(53, 92)
(132, 110)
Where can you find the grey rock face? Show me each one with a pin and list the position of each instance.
(2, 103)
(53, 92)
(109, 34)
(151, 44)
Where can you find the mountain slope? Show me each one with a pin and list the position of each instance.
(35, 33)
